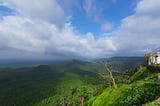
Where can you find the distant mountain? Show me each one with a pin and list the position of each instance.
(122, 64)
(10, 62)
(75, 62)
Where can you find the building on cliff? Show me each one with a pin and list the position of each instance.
(153, 58)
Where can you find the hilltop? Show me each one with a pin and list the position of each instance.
(140, 88)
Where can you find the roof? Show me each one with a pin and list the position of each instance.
(153, 54)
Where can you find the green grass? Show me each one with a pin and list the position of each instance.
(142, 89)
(154, 103)
(140, 74)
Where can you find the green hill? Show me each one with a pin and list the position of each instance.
(67, 82)
(122, 64)
(50, 85)
(141, 88)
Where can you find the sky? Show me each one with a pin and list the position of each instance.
(82, 29)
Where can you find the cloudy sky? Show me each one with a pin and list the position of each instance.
(62, 29)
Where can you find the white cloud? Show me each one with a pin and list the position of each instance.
(46, 10)
(33, 34)
(150, 7)
(106, 26)
(69, 5)
(22, 33)
(139, 33)
(94, 11)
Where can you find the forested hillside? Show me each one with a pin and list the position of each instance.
(122, 64)
(139, 89)
(71, 82)
(56, 84)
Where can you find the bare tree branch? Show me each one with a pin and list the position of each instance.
(110, 74)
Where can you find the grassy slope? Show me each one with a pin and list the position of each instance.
(141, 89)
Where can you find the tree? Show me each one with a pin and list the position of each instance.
(110, 74)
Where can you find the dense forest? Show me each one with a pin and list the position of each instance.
(54, 84)
(77, 83)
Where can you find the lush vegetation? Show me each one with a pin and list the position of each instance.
(121, 64)
(55, 84)
(139, 89)
(154, 103)
(69, 83)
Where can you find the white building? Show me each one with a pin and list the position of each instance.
(153, 58)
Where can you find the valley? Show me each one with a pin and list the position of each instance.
(57, 84)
